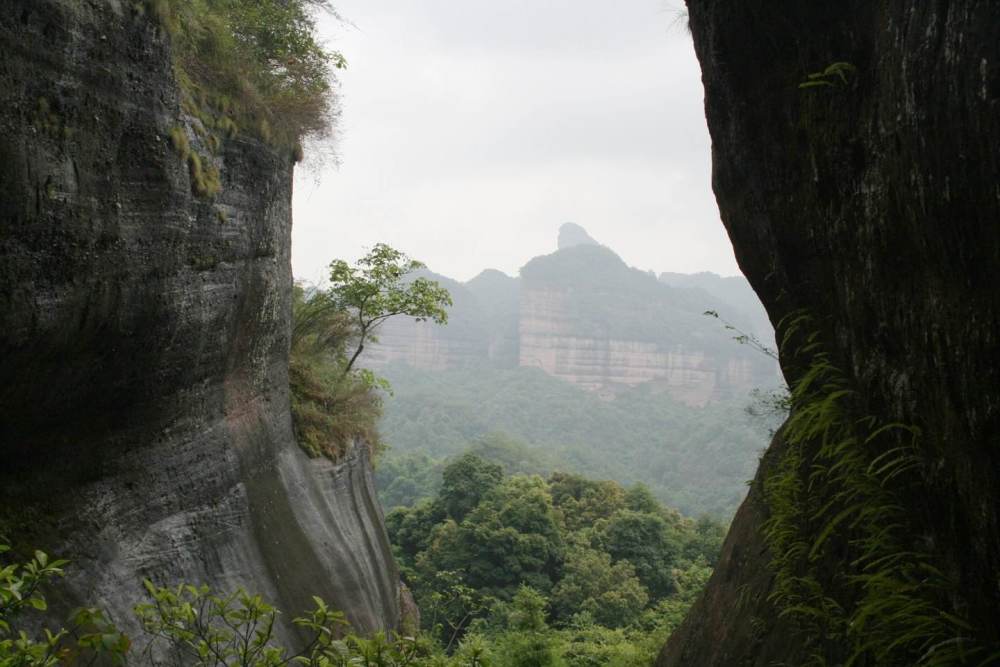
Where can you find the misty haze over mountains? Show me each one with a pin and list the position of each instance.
(581, 314)
(582, 364)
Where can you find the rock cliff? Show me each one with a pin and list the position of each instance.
(144, 419)
(582, 315)
(868, 200)
(550, 339)
(588, 318)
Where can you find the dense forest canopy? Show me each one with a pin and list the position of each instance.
(601, 560)
(695, 459)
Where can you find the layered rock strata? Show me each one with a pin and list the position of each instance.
(550, 340)
(144, 416)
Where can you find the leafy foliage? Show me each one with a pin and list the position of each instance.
(611, 594)
(193, 626)
(89, 636)
(695, 459)
(331, 407)
(849, 568)
(333, 403)
(833, 75)
(465, 483)
(199, 627)
(375, 289)
(489, 552)
(252, 65)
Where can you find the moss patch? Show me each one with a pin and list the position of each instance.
(205, 179)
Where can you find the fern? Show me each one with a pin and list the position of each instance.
(838, 483)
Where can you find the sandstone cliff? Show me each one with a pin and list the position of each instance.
(582, 315)
(588, 318)
(144, 419)
(869, 202)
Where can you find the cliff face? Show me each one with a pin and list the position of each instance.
(550, 340)
(589, 319)
(481, 329)
(582, 315)
(870, 203)
(144, 420)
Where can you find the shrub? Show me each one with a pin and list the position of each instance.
(252, 65)
(331, 407)
(89, 636)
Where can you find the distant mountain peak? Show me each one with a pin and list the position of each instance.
(572, 234)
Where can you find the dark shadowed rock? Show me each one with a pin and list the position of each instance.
(144, 419)
(871, 204)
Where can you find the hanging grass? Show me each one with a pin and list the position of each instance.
(252, 66)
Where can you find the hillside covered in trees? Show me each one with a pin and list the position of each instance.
(695, 459)
(563, 570)
(622, 375)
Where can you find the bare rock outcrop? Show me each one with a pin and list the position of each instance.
(144, 417)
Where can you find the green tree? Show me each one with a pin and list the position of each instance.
(640, 499)
(330, 408)
(376, 289)
(526, 643)
(510, 538)
(255, 65)
(465, 482)
(706, 541)
(583, 501)
(527, 610)
(410, 528)
(611, 594)
(646, 541)
(88, 637)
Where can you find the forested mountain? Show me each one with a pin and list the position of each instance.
(694, 459)
(589, 366)
(582, 314)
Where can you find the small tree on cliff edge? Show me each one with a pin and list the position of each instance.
(375, 289)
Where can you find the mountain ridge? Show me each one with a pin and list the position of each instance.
(582, 314)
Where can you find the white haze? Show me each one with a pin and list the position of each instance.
(471, 130)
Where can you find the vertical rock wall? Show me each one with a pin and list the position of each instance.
(872, 204)
(144, 420)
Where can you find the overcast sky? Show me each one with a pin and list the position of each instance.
(472, 129)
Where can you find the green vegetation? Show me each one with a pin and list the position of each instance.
(334, 404)
(193, 626)
(695, 459)
(90, 635)
(849, 567)
(252, 66)
(205, 181)
(331, 407)
(197, 627)
(376, 289)
(563, 571)
(832, 76)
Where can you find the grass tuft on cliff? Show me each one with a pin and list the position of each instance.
(253, 66)
(331, 408)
